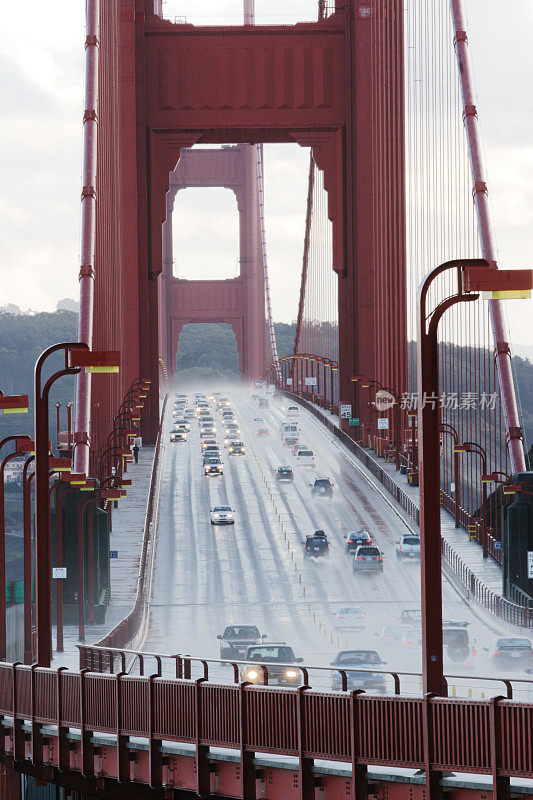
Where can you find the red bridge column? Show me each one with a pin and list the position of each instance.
(254, 323)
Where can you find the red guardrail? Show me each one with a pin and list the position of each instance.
(515, 613)
(481, 736)
(125, 631)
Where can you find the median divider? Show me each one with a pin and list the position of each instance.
(321, 626)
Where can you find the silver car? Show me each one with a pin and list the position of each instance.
(367, 559)
(408, 546)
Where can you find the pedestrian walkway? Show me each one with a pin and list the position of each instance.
(488, 571)
(126, 537)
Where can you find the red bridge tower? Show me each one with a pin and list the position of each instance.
(238, 301)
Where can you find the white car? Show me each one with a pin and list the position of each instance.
(305, 458)
(349, 617)
(182, 423)
(293, 411)
(222, 515)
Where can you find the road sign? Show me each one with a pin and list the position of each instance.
(530, 564)
(497, 545)
(346, 410)
(383, 424)
(59, 572)
(354, 422)
(113, 554)
(289, 381)
(310, 381)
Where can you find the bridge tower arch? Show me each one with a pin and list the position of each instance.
(238, 301)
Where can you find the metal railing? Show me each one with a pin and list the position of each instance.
(110, 660)
(478, 736)
(515, 613)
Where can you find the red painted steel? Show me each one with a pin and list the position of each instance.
(168, 86)
(308, 725)
(502, 353)
(43, 551)
(239, 301)
(88, 228)
(3, 463)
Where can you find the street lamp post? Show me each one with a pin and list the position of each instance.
(58, 423)
(77, 356)
(445, 427)
(22, 444)
(59, 563)
(473, 275)
(474, 447)
(26, 548)
(81, 566)
(70, 435)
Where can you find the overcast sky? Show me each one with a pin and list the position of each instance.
(41, 72)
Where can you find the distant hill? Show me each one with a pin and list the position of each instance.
(203, 351)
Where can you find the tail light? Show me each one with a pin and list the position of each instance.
(359, 558)
(350, 541)
(474, 651)
(401, 549)
(377, 558)
(313, 458)
(327, 549)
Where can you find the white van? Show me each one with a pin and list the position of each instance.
(293, 411)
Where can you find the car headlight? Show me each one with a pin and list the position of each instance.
(291, 673)
(252, 674)
(216, 516)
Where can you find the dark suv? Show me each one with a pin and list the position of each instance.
(284, 474)
(236, 640)
(322, 487)
(456, 643)
(316, 545)
(357, 539)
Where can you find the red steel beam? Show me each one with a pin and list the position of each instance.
(88, 229)
(502, 350)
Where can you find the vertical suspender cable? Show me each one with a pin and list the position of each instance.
(88, 229)
(486, 234)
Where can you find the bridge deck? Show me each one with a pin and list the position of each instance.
(487, 569)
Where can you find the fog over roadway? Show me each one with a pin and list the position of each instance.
(207, 576)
